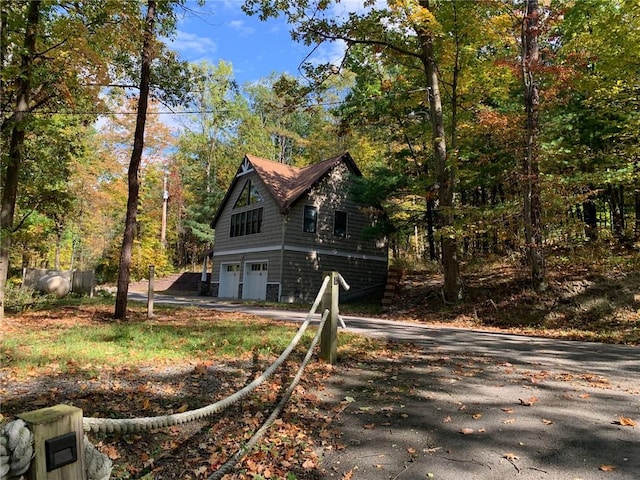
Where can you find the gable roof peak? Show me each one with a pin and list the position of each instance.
(287, 183)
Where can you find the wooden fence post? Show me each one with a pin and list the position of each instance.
(329, 336)
(58, 435)
(150, 292)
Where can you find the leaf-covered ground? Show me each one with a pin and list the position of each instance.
(309, 440)
(578, 303)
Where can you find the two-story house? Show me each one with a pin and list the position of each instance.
(279, 228)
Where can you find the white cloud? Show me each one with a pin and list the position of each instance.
(329, 52)
(334, 52)
(241, 27)
(189, 44)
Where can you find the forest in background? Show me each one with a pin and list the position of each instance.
(483, 128)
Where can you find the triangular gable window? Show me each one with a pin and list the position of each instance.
(248, 196)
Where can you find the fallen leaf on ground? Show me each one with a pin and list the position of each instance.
(547, 422)
(446, 419)
(200, 471)
(530, 401)
(607, 468)
(509, 420)
(507, 410)
(348, 475)
(369, 426)
(477, 416)
(111, 452)
(511, 456)
(466, 431)
(625, 422)
(200, 369)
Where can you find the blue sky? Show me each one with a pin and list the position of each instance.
(220, 30)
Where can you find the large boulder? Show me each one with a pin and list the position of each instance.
(54, 283)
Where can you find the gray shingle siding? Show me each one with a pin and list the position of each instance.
(303, 275)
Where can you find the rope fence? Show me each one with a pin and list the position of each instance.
(16, 440)
(233, 461)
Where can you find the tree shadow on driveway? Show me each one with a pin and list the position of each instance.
(492, 414)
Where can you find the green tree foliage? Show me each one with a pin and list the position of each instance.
(205, 161)
(288, 122)
(55, 56)
(47, 192)
(593, 145)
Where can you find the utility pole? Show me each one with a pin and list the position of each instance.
(165, 200)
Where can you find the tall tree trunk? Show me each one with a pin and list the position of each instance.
(15, 153)
(134, 166)
(531, 161)
(56, 261)
(430, 236)
(590, 219)
(636, 229)
(444, 172)
(616, 203)
(636, 196)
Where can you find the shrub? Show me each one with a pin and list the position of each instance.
(18, 298)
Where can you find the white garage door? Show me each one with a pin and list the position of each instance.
(229, 280)
(255, 281)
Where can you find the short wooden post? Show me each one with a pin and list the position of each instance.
(329, 335)
(47, 424)
(150, 292)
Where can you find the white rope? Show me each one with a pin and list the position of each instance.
(233, 460)
(97, 464)
(16, 449)
(123, 425)
(343, 282)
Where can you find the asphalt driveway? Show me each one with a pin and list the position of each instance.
(457, 404)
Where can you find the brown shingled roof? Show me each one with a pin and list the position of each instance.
(287, 183)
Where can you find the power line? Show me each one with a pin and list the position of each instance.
(209, 112)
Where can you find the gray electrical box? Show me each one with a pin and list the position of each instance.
(61, 450)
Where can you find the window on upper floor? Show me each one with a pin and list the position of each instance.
(340, 224)
(249, 195)
(246, 223)
(310, 222)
